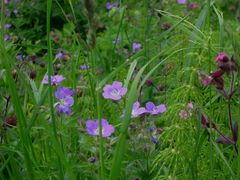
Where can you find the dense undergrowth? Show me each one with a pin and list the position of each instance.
(119, 90)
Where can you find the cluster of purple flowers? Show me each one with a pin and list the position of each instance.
(62, 94)
(116, 91)
(66, 101)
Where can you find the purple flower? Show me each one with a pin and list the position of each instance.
(59, 55)
(116, 41)
(114, 91)
(55, 80)
(220, 57)
(137, 110)
(19, 56)
(154, 139)
(152, 109)
(65, 105)
(6, 37)
(183, 114)
(93, 129)
(7, 26)
(84, 67)
(15, 11)
(181, 1)
(5, 2)
(136, 47)
(63, 92)
(65, 99)
(110, 5)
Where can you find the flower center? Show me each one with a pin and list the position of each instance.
(115, 92)
(97, 131)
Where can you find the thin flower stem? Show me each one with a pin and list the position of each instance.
(230, 110)
(100, 137)
(229, 103)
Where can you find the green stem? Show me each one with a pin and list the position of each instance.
(101, 150)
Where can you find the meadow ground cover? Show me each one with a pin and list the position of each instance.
(131, 90)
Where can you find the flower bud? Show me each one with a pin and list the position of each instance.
(32, 74)
(14, 74)
(10, 121)
(149, 82)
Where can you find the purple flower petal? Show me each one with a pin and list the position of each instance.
(136, 47)
(137, 110)
(152, 109)
(55, 80)
(181, 1)
(93, 129)
(62, 92)
(114, 91)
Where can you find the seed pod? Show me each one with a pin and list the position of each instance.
(14, 74)
(42, 64)
(32, 74)
(149, 82)
(10, 121)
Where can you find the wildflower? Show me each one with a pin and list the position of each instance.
(149, 82)
(84, 67)
(7, 26)
(92, 128)
(152, 109)
(19, 56)
(6, 2)
(220, 57)
(116, 41)
(55, 80)
(66, 101)
(225, 63)
(193, 6)
(183, 114)
(6, 37)
(137, 110)
(136, 47)
(15, 11)
(215, 79)
(59, 55)
(114, 91)
(154, 139)
(110, 5)
(92, 159)
(182, 1)
(65, 105)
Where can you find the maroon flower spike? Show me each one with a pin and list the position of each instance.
(217, 74)
(219, 83)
